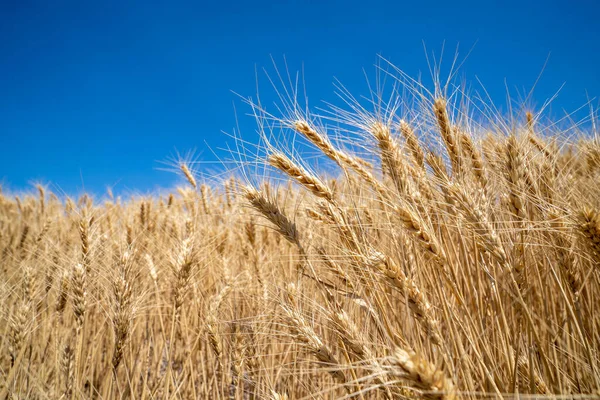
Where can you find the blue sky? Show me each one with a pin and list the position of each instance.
(96, 94)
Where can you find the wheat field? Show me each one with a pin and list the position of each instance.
(416, 251)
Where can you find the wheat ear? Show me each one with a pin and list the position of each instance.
(306, 335)
(390, 157)
(473, 154)
(515, 176)
(78, 288)
(300, 175)
(589, 227)
(340, 157)
(413, 144)
(188, 175)
(422, 375)
(122, 301)
(274, 214)
(447, 133)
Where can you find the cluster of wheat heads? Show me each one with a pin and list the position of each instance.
(465, 270)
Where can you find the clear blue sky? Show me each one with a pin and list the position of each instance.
(96, 93)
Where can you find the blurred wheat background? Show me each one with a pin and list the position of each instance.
(423, 252)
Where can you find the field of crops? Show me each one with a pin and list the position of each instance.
(413, 252)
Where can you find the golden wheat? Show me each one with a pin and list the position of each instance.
(404, 273)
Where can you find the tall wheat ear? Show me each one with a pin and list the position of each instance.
(307, 336)
(448, 134)
(274, 214)
(413, 144)
(422, 375)
(589, 227)
(342, 158)
(123, 307)
(301, 175)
